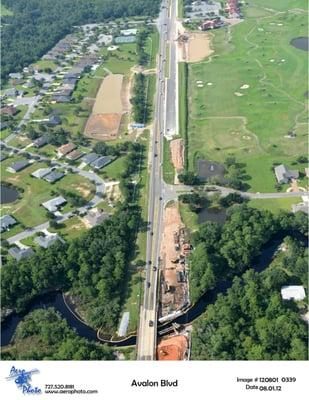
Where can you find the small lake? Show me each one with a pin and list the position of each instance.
(213, 215)
(300, 43)
(8, 194)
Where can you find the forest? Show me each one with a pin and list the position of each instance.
(37, 25)
(250, 321)
(44, 335)
(221, 252)
(139, 100)
(93, 267)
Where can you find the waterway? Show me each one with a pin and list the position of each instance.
(7, 194)
(56, 300)
(300, 43)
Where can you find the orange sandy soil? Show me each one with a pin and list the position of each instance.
(199, 47)
(171, 223)
(176, 147)
(173, 348)
(103, 126)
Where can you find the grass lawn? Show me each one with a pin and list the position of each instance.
(70, 229)
(121, 60)
(5, 11)
(114, 169)
(257, 53)
(42, 64)
(180, 12)
(183, 108)
(189, 218)
(28, 209)
(275, 205)
(168, 168)
(5, 133)
(152, 48)
(134, 296)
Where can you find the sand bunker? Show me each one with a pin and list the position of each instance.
(272, 60)
(198, 82)
(238, 94)
(199, 47)
(245, 86)
(200, 85)
(209, 83)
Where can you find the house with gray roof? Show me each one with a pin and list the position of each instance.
(6, 221)
(53, 204)
(46, 241)
(20, 254)
(101, 162)
(53, 176)
(40, 142)
(89, 158)
(284, 175)
(95, 217)
(41, 172)
(17, 166)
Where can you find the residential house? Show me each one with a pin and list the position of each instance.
(15, 75)
(74, 155)
(20, 254)
(40, 142)
(54, 120)
(3, 125)
(293, 292)
(284, 175)
(9, 110)
(41, 172)
(95, 217)
(65, 149)
(101, 162)
(53, 176)
(89, 158)
(46, 241)
(53, 204)
(18, 166)
(6, 221)
(12, 92)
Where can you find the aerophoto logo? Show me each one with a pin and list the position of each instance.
(22, 379)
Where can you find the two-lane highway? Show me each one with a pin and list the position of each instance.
(147, 333)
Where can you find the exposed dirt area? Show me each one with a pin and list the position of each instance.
(103, 126)
(177, 149)
(108, 98)
(174, 249)
(113, 191)
(82, 189)
(199, 46)
(111, 101)
(126, 94)
(174, 348)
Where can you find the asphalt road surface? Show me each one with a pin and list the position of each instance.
(165, 117)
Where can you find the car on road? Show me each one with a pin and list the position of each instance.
(148, 285)
(151, 233)
(154, 268)
(156, 155)
(151, 323)
(160, 198)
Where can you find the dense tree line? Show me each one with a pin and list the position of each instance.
(251, 322)
(44, 335)
(94, 267)
(36, 25)
(139, 100)
(141, 40)
(222, 252)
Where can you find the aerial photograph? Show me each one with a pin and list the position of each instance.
(154, 180)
